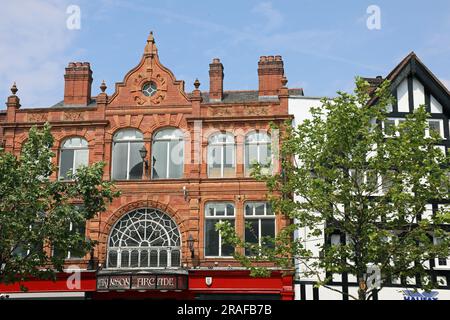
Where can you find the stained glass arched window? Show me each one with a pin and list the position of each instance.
(144, 238)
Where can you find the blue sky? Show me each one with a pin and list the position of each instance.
(324, 44)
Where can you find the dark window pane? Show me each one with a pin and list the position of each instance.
(175, 258)
(144, 258)
(267, 230)
(136, 164)
(120, 154)
(259, 209)
(211, 238)
(228, 250)
(66, 164)
(251, 233)
(389, 127)
(125, 258)
(112, 259)
(134, 258)
(220, 209)
(248, 209)
(20, 251)
(435, 126)
(58, 253)
(163, 258)
(154, 258)
(230, 210)
(159, 160)
(372, 180)
(80, 229)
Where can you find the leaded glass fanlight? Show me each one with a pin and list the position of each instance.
(144, 238)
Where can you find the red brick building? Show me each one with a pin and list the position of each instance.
(181, 160)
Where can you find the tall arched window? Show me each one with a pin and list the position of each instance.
(221, 156)
(74, 153)
(127, 162)
(257, 150)
(144, 238)
(168, 154)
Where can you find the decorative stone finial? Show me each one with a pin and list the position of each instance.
(196, 84)
(103, 86)
(14, 88)
(150, 47)
(284, 81)
(151, 38)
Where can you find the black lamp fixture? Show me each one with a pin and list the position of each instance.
(143, 152)
(191, 245)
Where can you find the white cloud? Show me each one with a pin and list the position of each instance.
(33, 48)
(274, 17)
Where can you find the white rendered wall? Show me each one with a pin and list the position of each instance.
(402, 96)
(418, 93)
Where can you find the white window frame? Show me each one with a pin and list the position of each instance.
(69, 253)
(75, 149)
(441, 128)
(253, 216)
(219, 219)
(258, 144)
(222, 145)
(172, 137)
(128, 141)
(396, 121)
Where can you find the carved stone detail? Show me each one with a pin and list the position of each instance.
(157, 98)
(37, 117)
(220, 111)
(256, 110)
(73, 116)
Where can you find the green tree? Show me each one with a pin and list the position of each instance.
(343, 171)
(36, 210)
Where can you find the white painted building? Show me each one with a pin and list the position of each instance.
(413, 85)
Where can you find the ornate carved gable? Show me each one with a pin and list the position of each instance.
(149, 83)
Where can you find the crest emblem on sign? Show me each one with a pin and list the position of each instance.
(208, 281)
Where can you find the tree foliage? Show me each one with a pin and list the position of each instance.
(37, 210)
(344, 172)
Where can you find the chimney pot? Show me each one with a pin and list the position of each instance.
(270, 75)
(78, 83)
(216, 80)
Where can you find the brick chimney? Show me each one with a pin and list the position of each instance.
(78, 81)
(215, 80)
(270, 73)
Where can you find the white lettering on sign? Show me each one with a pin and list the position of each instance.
(138, 282)
(119, 282)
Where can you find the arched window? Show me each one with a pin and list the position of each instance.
(221, 156)
(73, 154)
(144, 238)
(126, 160)
(168, 154)
(257, 150)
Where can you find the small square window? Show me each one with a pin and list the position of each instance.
(435, 126)
(389, 127)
